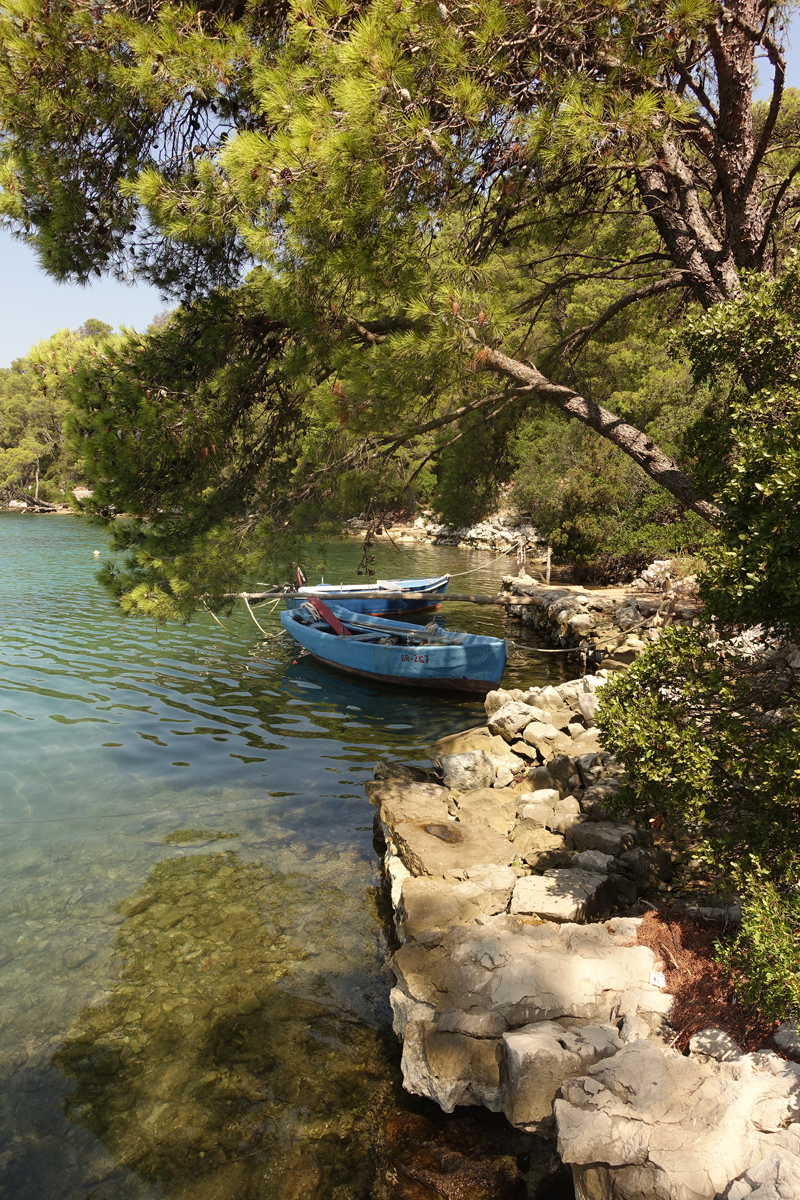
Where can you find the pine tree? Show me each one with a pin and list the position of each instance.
(417, 187)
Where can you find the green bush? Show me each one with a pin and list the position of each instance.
(711, 744)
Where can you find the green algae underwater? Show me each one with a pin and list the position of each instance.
(194, 939)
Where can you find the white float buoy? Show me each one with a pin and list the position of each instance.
(97, 553)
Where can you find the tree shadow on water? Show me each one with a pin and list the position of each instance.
(220, 1067)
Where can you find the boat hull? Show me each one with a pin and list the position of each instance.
(389, 605)
(473, 664)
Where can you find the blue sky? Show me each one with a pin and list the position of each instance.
(34, 306)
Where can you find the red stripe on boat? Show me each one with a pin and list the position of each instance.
(326, 614)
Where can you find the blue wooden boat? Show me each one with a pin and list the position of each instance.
(351, 595)
(396, 652)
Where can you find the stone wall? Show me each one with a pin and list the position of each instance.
(520, 983)
(623, 621)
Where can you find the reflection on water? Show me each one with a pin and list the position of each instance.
(225, 1057)
(193, 981)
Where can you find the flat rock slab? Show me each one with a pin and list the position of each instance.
(450, 848)
(401, 801)
(486, 806)
(649, 1122)
(428, 904)
(526, 973)
(566, 895)
(383, 791)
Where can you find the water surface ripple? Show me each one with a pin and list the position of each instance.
(193, 940)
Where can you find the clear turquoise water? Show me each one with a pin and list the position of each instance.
(193, 940)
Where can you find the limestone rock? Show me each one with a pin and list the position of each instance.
(647, 866)
(518, 970)
(533, 841)
(537, 730)
(560, 769)
(563, 895)
(477, 738)
(539, 1058)
(428, 904)
(467, 771)
(397, 770)
(549, 797)
(451, 1068)
(776, 1177)
(512, 718)
(593, 860)
(397, 873)
(495, 700)
(716, 1044)
(543, 777)
(450, 848)
(606, 836)
(563, 822)
(587, 703)
(484, 806)
(400, 791)
(787, 1036)
(534, 815)
(587, 743)
(649, 1122)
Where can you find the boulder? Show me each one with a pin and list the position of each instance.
(537, 1060)
(409, 802)
(589, 766)
(451, 1068)
(478, 738)
(776, 1177)
(646, 865)
(714, 1043)
(512, 718)
(467, 771)
(450, 847)
(560, 769)
(532, 841)
(495, 700)
(587, 742)
(428, 904)
(561, 719)
(535, 816)
(563, 895)
(610, 837)
(549, 797)
(536, 731)
(593, 860)
(650, 1123)
(787, 1036)
(587, 703)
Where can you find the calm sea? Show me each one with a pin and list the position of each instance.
(193, 937)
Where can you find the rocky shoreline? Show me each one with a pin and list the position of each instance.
(606, 628)
(521, 983)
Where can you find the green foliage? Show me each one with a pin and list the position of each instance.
(35, 460)
(767, 948)
(752, 347)
(712, 749)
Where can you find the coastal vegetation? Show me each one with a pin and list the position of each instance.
(419, 250)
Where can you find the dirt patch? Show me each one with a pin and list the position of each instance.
(705, 995)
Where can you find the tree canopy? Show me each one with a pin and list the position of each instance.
(442, 209)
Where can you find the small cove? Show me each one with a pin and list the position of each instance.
(193, 936)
